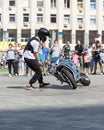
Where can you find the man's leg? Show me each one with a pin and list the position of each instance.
(95, 66)
(14, 66)
(101, 67)
(9, 67)
(91, 65)
(33, 64)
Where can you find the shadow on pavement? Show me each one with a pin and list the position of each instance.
(76, 118)
(15, 87)
(54, 86)
(51, 86)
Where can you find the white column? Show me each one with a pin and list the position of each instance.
(32, 16)
(19, 19)
(73, 19)
(46, 13)
(60, 7)
(86, 21)
(73, 34)
(86, 38)
(5, 19)
(46, 17)
(99, 16)
(18, 35)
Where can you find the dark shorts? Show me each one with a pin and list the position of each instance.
(96, 61)
(86, 65)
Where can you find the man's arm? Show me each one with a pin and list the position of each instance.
(93, 49)
(35, 46)
(36, 56)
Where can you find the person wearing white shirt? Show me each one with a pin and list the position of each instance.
(56, 50)
(31, 57)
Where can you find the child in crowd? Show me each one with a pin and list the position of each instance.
(3, 61)
(21, 60)
(75, 58)
(41, 58)
(86, 61)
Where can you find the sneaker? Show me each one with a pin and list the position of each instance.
(10, 75)
(94, 73)
(28, 75)
(101, 73)
(29, 87)
(16, 74)
(44, 74)
(43, 84)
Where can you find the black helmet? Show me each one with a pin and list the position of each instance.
(42, 33)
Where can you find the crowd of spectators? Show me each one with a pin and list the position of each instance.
(86, 58)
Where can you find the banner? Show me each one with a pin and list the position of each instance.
(4, 45)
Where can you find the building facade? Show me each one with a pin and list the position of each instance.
(66, 19)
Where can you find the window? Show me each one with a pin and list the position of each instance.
(103, 19)
(11, 36)
(0, 17)
(11, 2)
(0, 3)
(92, 4)
(103, 5)
(66, 19)
(53, 18)
(39, 18)
(40, 3)
(25, 17)
(79, 4)
(53, 3)
(11, 17)
(25, 36)
(93, 20)
(66, 3)
(79, 20)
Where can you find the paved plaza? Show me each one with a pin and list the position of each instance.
(55, 107)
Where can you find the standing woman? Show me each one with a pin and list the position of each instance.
(21, 60)
(10, 56)
(96, 57)
(56, 50)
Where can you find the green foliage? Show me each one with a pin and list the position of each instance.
(3, 69)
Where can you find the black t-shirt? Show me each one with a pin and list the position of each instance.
(66, 49)
(79, 49)
(96, 54)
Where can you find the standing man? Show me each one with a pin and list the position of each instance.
(31, 57)
(66, 50)
(79, 50)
